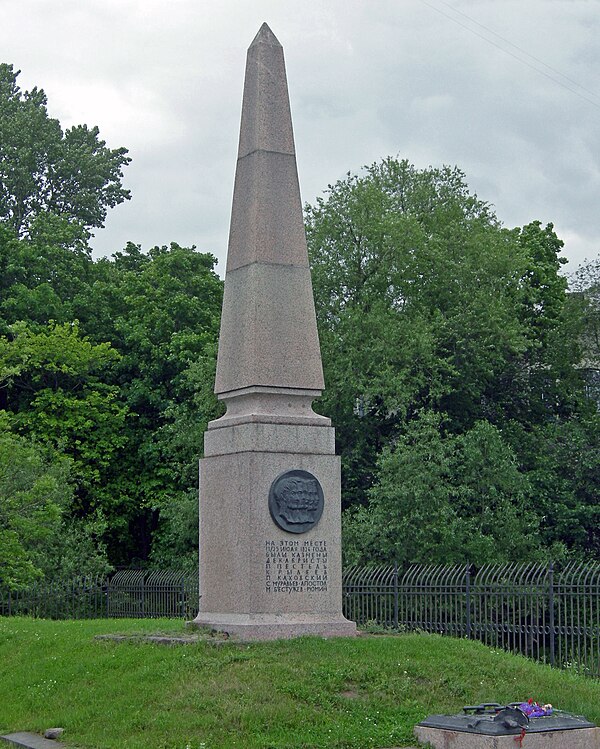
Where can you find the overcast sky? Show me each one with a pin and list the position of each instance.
(508, 90)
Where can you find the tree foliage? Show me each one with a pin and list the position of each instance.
(446, 338)
(443, 497)
(453, 358)
(34, 490)
(125, 391)
(161, 311)
(108, 364)
(44, 169)
(586, 286)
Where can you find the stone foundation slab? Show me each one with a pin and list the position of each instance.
(276, 627)
(439, 738)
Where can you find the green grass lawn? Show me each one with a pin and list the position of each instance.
(353, 693)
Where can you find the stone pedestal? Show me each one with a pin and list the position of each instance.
(258, 581)
(439, 738)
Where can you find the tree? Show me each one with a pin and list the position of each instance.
(561, 459)
(72, 174)
(586, 287)
(441, 497)
(34, 490)
(109, 362)
(160, 310)
(178, 442)
(442, 332)
(112, 362)
(543, 288)
(41, 275)
(544, 381)
(51, 382)
(415, 285)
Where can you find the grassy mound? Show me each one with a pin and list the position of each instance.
(358, 693)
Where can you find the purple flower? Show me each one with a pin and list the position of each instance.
(534, 709)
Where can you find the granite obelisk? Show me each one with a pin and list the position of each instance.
(270, 558)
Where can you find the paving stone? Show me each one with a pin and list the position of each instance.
(30, 741)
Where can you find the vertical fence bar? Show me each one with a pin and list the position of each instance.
(571, 649)
(551, 610)
(593, 594)
(468, 600)
(559, 595)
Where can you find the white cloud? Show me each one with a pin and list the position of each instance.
(366, 79)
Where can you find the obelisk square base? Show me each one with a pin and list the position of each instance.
(258, 581)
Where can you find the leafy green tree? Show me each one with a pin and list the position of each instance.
(77, 549)
(41, 275)
(34, 490)
(160, 310)
(169, 352)
(544, 381)
(44, 169)
(118, 390)
(415, 285)
(179, 441)
(53, 390)
(543, 288)
(586, 287)
(441, 497)
(561, 459)
(442, 333)
(105, 361)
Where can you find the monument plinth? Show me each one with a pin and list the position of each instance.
(270, 547)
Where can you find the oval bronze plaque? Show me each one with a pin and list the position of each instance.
(296, 501)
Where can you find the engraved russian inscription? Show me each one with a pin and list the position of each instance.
(296, 501)
(296, 566)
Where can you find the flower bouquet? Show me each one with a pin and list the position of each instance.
(534, 709)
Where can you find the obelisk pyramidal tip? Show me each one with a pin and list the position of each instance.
(266, 118)
(265, 36)
(268, 329)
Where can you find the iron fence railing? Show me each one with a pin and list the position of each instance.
(77, 598)
(126, 593)
(551, 615)
(154, 593)
(371, 595)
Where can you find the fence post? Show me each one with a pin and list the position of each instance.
(183, 596)
(9, 603)
(395, 595)
(104, 595)
(468, 599)
(551, 610)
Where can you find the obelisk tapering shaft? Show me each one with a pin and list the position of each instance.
(268, 330)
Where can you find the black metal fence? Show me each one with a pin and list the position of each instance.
(546, 614)
(156, 593)
(551, 615)
(126, 593)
